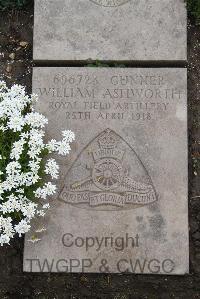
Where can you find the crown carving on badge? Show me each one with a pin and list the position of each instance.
(108, 140)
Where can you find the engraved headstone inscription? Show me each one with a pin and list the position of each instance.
(121, 204)
(110, 30)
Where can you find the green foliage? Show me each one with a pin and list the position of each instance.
(193, 7)
(98, 63)
(9, 4)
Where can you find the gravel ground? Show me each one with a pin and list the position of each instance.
(16, 66)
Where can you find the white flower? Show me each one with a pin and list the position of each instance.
(34, 99)
(4, 239)
(24, 135)
(41, 213)
(17, 90)
(36, 143)
(50, 188)
(15, 123)
(68, 135)
(23, 161)
(17, 149)
(63, 148)
(47, 190)
(46, 206)
(29, 210)
(6, 229)
(52, 145)
(14, 202)
(11, 205)
(3, 85)
(36, 120)
(13, 171)
(29, 178)
(13, 168)
(22, 227)
(34, 165)
(52, 168)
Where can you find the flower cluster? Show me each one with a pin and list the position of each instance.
(23, 192)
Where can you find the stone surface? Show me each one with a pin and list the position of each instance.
(110, 30)
(122, 196)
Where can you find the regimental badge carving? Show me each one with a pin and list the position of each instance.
(108, 175)
(110, 3)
